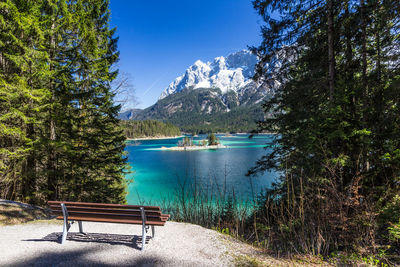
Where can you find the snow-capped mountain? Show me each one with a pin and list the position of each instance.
(231, 73)
(218, 95)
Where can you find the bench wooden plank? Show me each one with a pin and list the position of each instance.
(119, 206)
(58, 207)
(114, 213)
(88, 219)
(104, 210)
(165, 217)
(111, 216)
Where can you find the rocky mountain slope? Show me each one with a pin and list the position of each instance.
(216, 96)
(129, 114)
(202, 110)
(228, 74)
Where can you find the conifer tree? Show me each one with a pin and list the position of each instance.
(22, 96)
(99, 132)
(60, 136)
(336, 118)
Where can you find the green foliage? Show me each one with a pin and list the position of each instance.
(212, 139)
(389, 209)
(186, 141)
(352, 259)
(60, 136)
(224, 231)
(394, 232)
(203, 142)
(338, 139)
(22, 94)
(149, 128)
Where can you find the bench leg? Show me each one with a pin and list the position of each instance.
(80, 227)
(143, 236)
(143, 227)
(152, 231)
(65, 231)
(66, 225)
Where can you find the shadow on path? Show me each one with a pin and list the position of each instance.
(80, 258)
(134, 241)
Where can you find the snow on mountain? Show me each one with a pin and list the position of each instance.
(233, 72)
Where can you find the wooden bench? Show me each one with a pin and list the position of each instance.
(111, 213)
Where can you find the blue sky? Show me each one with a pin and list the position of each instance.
(159, 39)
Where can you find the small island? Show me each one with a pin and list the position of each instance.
(187, 144)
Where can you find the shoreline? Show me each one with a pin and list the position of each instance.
(154, 138)
(179, 136)
(192, 148)
(255, 134)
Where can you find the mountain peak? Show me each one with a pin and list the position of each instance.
(199, 63)
(226, 73)
(198, 66)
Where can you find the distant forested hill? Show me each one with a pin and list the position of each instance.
(149, 128)
(204, 110)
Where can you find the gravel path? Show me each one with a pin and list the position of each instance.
(175, 244)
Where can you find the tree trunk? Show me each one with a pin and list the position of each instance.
(30, 167)
(378, 29)
(29, 173)
(364, 52)
(51, 165)
(331, 52)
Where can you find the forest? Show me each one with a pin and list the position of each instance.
(338, 148)
(149, 128)
(59, 133)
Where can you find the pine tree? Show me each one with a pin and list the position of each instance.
(61, 138)
(22, 96)
(101, 163)
(337, 147)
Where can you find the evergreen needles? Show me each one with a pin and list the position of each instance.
(59, 133)
(337, 118)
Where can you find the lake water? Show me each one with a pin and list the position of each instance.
(158, 174)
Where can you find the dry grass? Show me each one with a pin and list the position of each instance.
(16, 214)
(257, 261)
(247, 255)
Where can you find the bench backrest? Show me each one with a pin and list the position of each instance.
(109, 212)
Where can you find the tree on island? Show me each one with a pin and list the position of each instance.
(212, 140)
(186, 141)
(203, 142)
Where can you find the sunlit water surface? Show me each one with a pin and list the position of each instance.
(159, 174)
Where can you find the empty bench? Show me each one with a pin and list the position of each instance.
(108, 213)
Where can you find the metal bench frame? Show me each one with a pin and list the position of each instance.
(67, 225)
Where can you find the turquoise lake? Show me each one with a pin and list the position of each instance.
(158, 174)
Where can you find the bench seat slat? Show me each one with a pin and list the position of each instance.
(112, 213)
(102, 205)
(58, 207)
(89, 219)
(103, 210)
(109, 215)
